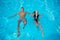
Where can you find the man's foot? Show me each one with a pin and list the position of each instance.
(18, 34)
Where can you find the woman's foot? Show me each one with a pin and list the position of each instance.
(43, 34)
(18, 34)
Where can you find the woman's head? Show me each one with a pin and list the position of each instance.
(36, 12)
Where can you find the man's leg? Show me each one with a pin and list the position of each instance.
(24, 23)
(18, 28)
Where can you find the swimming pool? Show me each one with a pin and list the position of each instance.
(50, 20)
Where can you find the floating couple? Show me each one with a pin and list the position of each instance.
(22, 18)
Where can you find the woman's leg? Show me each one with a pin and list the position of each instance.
(41, 29)
(36, 22)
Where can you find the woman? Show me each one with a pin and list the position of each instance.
(36, 20)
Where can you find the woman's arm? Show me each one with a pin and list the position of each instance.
(32, 14)
(40, 15)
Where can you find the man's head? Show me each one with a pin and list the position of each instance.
(22, 8)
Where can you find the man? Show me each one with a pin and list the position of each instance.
(36, 16)
(21, 19)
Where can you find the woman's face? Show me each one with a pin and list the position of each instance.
(36, 12)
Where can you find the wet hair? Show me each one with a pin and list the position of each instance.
(22, 7)
(34, 11)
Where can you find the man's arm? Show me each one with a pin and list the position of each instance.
(27, 13)
(31, 14)
(13, 15)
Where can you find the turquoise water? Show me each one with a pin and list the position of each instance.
(50, 20)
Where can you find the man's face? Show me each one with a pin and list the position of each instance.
(22, 9)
